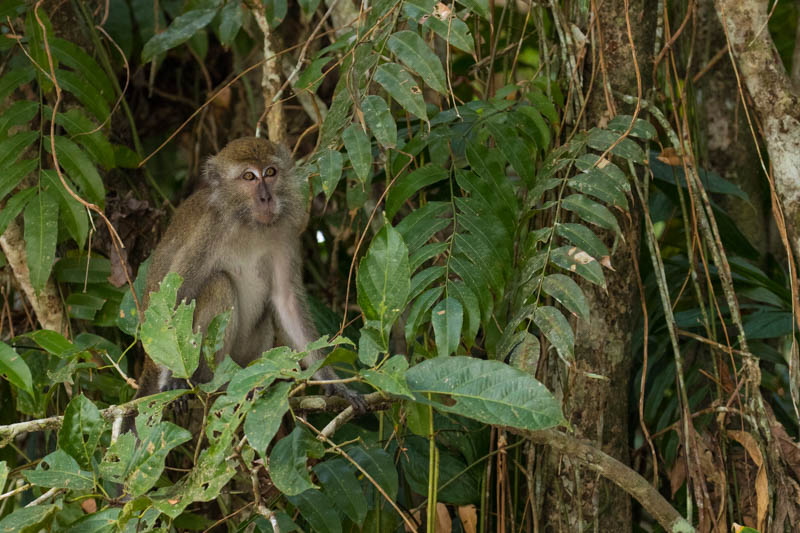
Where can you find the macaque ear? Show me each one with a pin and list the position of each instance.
(211, 172)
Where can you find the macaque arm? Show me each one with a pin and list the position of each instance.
(290, 307)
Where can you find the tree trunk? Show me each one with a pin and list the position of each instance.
(579, 500)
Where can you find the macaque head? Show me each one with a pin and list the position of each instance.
(254, 180)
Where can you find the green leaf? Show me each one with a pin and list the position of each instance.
(15, 370)
(419, 309)
(79, 127)
(19, 113)
(308, 6)
(82, 63)
(13, 207)
(180, 31)
(147, 462)
(533, 125)
(3, 471)
(472, 310)
(583, 238)
(12, 175)
(454, 31)
(594, 183)
(318, 510)
(53, 342)
(409, 47)
(568, 294)
(80, 168)
(86, 94)
(12, 79)
(590, 211)
(167, 334)
(29, 519)
(514, 150)
(379, 465)
(339, 483)
(41, 234)
(447, 318)
(603, 139)
(424, 278)
(230, 22)
(391, 377)
(215, 337)
(81, 430)
(422, 223)
(98, 522)
(287, 461)
(379, 119)
(557, 330)
(312, 76)
(480, 7)
(358, 150)
(402, 87)
(370, 346)
(14, 146)
(128, 319)
(641, 128)
(330, 170)
(63, 473)
(576, 260)
(264, 418)
(408, 185)
(487, 391)
(384, 278)
(74, 215)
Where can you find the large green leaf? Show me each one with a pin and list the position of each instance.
(406, 186)
(81, 430)
(87, 94)
(487, 391)
(567, 292)
(14, 368)
(13, 78)
(41, 234)
(167, 334)
(409, 47)
(14, 146)
(264, 419)
(12, 175)
(339, 483)
(401, 85)
(62, 472)
(180, 31)
(20, 112)
(74, 215)
(591, 211)
(85, 132)
(624, 147)
(318, 510)
(379, 119)
(384, 278)
(557, 330)
(447, 318)
(576, 260)
(74, 57)
(287, 461)
(379, 465)
(13, 207)
(80, 168)
(330, 170)
(358, 150)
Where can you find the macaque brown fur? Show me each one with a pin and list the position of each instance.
(236, 244)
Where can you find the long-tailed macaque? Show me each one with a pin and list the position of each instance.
(236, 243)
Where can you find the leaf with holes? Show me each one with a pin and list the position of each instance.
(402, 87)
(409, 47)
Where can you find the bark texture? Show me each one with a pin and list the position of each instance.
(578, 499)
(774, 98)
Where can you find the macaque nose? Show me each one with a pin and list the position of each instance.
(264, 194)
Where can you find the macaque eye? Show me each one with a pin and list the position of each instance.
(270, 171)
(249, 176)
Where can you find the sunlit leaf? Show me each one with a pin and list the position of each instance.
(402, 87)
(409, 47)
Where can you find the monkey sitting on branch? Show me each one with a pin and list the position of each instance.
(236, 243)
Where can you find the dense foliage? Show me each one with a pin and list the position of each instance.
(458, 214)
